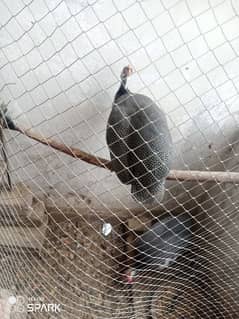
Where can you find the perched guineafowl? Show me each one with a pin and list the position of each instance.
(140, 143)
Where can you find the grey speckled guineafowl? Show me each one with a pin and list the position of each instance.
(140, 143)
(160, 246)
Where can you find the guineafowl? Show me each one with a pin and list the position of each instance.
(140, 143)
(161, 251)
(160, 246)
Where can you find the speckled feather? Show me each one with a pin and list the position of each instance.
(160, 246)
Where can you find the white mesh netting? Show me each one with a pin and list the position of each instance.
(70, 231)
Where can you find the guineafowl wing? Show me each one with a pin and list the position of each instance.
(117, 137)
(152, 146)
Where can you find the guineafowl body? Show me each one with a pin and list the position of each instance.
(140, 143)
(160, 246)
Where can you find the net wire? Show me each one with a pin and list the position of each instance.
(60, 66)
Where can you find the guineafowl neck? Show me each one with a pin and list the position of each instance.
(122, 89)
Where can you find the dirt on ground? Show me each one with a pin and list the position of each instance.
(78, 268)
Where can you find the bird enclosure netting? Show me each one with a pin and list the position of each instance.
(74, 243)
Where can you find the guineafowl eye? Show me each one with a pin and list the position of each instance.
(140, 143)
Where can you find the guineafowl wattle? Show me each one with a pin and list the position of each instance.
(140, 143)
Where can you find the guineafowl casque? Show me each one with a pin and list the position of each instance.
(140, 143)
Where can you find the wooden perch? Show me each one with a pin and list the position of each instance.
(174, 175)
(203, 176)
(72, 151)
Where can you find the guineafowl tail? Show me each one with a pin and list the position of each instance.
(149, 195)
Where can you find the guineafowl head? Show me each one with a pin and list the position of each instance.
(129, 276)
(126, 72)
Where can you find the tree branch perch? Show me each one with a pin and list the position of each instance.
(72, 151)
(176, 175)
